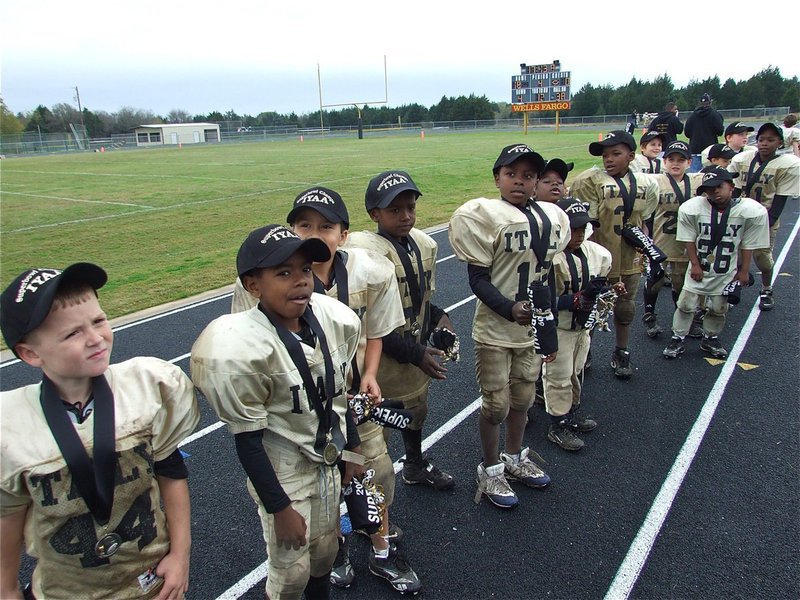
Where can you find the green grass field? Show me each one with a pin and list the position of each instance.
(166, 223)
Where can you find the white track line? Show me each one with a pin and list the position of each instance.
(634, 561)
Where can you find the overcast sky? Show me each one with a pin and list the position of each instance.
(256, 56)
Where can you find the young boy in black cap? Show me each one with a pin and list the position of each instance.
(365, 282)
(277, 376)
(574, 271)
(770, 179)
(509, 245)
(408, 364)
(617, 197)
(675, 187)
(720, 232)
(94, 523)
(649, 161)
(736, 137)
(719, 155)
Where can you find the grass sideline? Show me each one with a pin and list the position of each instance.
(166, 223)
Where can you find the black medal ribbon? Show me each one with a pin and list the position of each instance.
(415, 281)
(577, 282)
(343, 296)
(328, 419)
(752, 177)
(681, 195)
(539, 242)
(94, 477)
(628, 195)
(719, 223)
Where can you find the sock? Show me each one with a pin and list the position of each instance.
(620, 349)
(650, 300)
(381, 553)
(412, 440)
(318, 588)
(514, 457)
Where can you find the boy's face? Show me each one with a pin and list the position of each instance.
(616, 159)
(736, 141)
(720, 196)
(721, 162)
(310, 223)
(549, 187)
(284, 290)
(652, 148)
(399, 217)
(73, 343)
(768, 143)
(577, 237)
(676, 164)
(517, 181)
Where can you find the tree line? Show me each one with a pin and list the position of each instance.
(766, 88)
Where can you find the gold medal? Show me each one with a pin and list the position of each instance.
(108, 545)
(710, 258)
(331, 454)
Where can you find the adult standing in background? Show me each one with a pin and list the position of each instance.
(703, 128)
(667, 123)
(630, 126)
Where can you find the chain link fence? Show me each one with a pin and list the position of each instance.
(33, 142)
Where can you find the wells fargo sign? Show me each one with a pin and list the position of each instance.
(534, 106)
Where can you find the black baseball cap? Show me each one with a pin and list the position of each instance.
(386, 186)
(26, 302)
(738, 127)
(678, 147)
(771, 126)
(558, 166)
(513, 153)
(721, 151)
(714, 176)
(649, 136)
(323, 200)
(705, 97)
(577, 211)
(613, 138)
(272, 245)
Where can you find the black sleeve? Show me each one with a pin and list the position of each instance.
(689, 127)
(260, 472)
(171, 467)
(436, 314)
(678, 125)
(719, 125)
(403, 350)
(480, 281)
(353, 439)
(736, 192)
(774, 212)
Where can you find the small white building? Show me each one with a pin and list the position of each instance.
(176, 133)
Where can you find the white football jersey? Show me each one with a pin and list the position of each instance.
(781, 176)
(495, 234)
(598, 263)
(665, 220)
(643, 164)
(248, 376)
(154, 410)
(747, 229)
(402, 381)
(602, 193)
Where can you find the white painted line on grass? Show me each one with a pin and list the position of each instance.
(634, 561)
(77, 199)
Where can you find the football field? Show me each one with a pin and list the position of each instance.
(166, 223)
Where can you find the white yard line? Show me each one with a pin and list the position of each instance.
(77, 199)
(642, 545)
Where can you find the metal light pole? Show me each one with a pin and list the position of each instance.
(80, 110)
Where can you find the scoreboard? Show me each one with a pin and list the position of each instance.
(540, 87)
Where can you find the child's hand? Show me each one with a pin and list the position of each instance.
(369, 386)
(430, 365)
(521, 313)
(550, 357)
(290, 529)
(696, 273)
(174, 569)
(620, 288)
